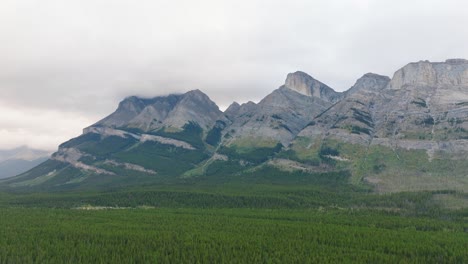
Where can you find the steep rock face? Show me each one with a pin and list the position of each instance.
(303, 83)
(427, 101)
(452, 72)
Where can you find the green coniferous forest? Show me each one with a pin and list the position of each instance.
(267, 216)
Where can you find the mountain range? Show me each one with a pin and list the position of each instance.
(405, 133)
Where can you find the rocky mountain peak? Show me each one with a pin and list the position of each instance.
(305, 84)
(232, 110)
(370, 82)
(174, 110)
(195, 106)
(452, 72)
(233, 107)
(198, 97)
(196, 94)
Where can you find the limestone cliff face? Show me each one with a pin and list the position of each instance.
(426, 100)
(303, 83)
(452, 72)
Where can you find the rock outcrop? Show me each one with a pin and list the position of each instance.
(303, 83)
(452, 72)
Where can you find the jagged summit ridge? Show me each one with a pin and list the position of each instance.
(279, 117)
(174, 110)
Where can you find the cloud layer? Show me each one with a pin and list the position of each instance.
(66, 64)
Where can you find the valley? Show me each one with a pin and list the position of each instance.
(377, 173)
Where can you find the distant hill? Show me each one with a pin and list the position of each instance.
(19, 160)
(405, 133)
(10, 168)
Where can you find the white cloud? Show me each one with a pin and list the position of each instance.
(84, 56)
(38, 128)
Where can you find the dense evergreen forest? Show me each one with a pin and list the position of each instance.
(155, 235)
(266, 216)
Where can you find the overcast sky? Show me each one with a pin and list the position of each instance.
(65, 64)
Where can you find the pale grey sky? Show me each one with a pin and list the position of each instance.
(64, 64)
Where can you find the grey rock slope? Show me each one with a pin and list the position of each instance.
(281, 115)
(367, 85)
(172, 111)
(352, 118)
(303, 83)
(424, 106)
(232, 111)
(426, 101)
